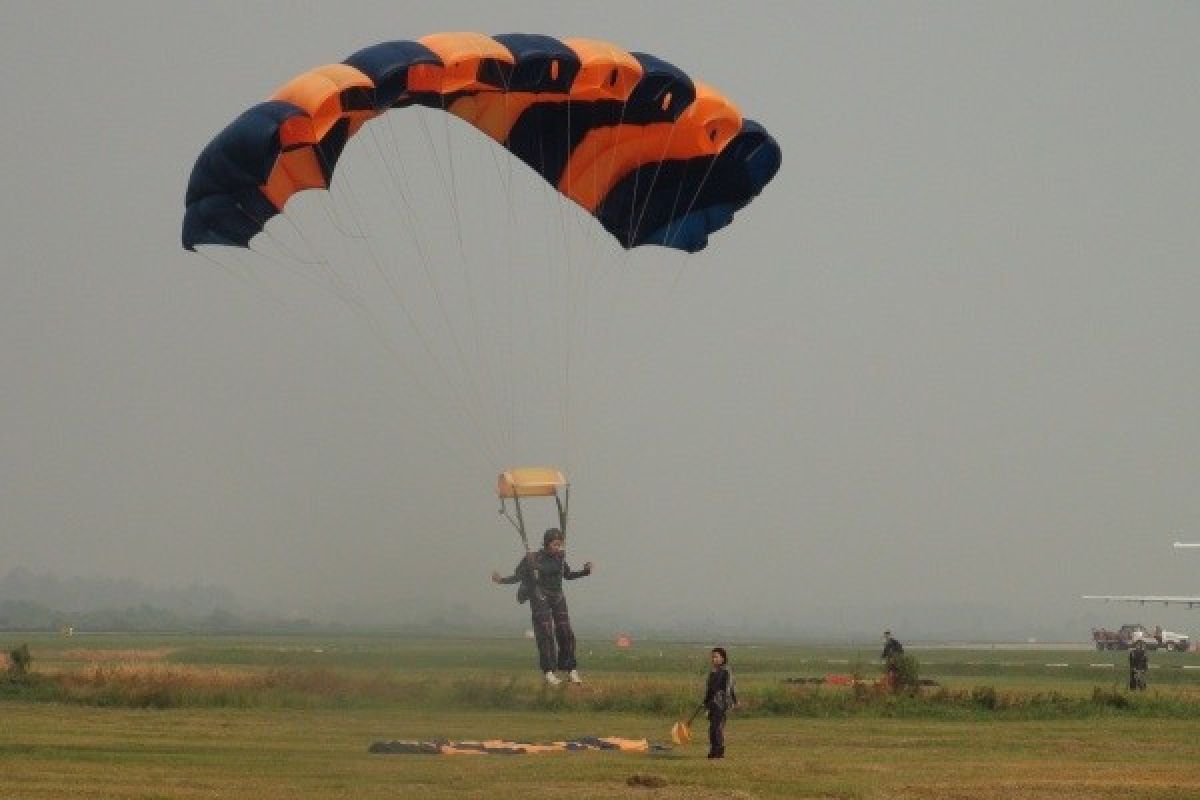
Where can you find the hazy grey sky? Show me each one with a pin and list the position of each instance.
(944, 368)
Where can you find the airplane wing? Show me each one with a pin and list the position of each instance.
(1190, 602)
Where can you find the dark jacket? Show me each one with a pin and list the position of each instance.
(1138, 660)
(720, 693)
(550, 571)
(891, 648)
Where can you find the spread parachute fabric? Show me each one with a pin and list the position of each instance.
(656, 157)
(448, 747)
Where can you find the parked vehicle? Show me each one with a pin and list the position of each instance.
(1152, 639)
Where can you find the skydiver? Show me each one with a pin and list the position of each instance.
(541, 575)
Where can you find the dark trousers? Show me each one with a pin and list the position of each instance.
(716, 732)
(552, 629)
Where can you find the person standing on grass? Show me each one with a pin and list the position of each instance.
(719, 696)
(892, 650)
(541, 575)
(1139, 664)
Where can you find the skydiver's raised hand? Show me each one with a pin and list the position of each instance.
(496, 577)
(588, 567)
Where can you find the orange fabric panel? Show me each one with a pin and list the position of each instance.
(318, 92)
(293, 171)
(607, 154)
(425, 77)
(606, 72)
(713, 118)
(461, 54)
(296, 132)
(495, 113)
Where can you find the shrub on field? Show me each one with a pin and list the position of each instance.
(905, 668)
(19, 661)
(1110, 698)
(984, 697)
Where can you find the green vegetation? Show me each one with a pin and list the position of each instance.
(292, 716)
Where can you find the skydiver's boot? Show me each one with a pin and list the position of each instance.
(573, 676)
(552, 679)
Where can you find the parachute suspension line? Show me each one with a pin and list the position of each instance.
(331, 213)
(635, 227)
(635, 223)
(318, 282)
(672, 305)
(337, 289)
(324, 275)
(559, 288)
(387, 277)
(571, 302)
(691, 203)
(384, 341)
(398, 183)
(485, 371)
(680, 267)
(507, 402)
(599, 241)
(245, 276)
(443, 441)
(498, 361)
(335, 284)
(565, 308)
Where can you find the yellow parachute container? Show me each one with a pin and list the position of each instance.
(529, 482)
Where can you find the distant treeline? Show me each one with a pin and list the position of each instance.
(32, 602)
(23, 615)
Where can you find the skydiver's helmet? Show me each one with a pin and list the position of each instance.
(550, 535)
(1139, 644)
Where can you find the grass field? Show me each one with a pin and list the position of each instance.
(275, 717)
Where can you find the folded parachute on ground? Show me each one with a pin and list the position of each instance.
(656, 157)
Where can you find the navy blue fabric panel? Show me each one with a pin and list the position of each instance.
(758, 151)
(534, 54)
(650, 197)
(387, 66)
(678, 203)
(244, 152)
(494, 72)
(223, 219)
(329, 149)
(660, 79)
(223, 199)
(546, 134)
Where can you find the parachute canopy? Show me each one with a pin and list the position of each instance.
(654, 156)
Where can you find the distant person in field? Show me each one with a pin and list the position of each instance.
(541, 577)
(1139, 663)
(892, 650)
(720, 695)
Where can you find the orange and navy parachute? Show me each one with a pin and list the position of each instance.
(655, 156)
